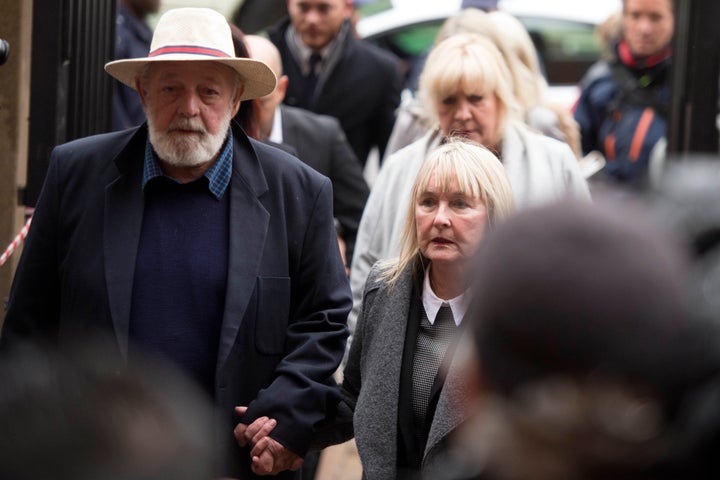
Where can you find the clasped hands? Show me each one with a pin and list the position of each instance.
(269, 457)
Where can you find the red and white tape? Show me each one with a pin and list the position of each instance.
(19, 238)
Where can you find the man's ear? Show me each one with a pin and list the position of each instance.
(141, 91)
(281, 88)
(236, 101)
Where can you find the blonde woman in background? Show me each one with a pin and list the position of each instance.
(528, 83)
(468, 89)
(531, 87)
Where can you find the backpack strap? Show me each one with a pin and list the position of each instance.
(640, 133)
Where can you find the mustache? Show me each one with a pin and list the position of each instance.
(187, 124)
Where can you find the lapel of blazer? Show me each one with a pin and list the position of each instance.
(453, 404)
(289, 128)
(249, 222)
(123, 215)
(382, 418)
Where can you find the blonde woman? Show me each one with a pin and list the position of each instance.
(400, 381)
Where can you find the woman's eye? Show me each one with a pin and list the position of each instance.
(475, 98)
(449, 101)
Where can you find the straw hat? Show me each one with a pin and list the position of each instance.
(198, 35)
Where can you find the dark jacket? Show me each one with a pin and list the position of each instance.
(362, 90)
(283, 331)
(320, 142)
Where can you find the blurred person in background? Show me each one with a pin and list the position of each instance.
(531, 88)
(132, 40)
(415, 62)
(334, 73)
(318, 140)
(468, 88)
(529, 84)
(623, 105)
(591, 364)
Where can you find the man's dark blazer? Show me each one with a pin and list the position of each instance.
(362, 90)
(320, 142)
(283, 332)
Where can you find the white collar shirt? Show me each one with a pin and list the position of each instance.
(432, 303)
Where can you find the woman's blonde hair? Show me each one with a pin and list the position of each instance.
(472, 61)
(514, 42)
(478, 173)
(531, 86)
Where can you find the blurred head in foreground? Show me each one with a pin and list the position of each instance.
(590, 363)
(76, 416)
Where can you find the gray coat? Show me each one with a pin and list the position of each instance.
(371, 384)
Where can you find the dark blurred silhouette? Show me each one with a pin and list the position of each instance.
(77, 415)
(590, 363)
(687, 201)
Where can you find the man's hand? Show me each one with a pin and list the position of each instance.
(269, 457)
(251, 434)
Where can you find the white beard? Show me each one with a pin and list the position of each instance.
(188, 151)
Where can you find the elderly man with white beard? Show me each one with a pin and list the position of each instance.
(187, 240)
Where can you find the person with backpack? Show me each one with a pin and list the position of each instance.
(622, 109)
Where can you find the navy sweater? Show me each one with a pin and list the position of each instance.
(181, 275)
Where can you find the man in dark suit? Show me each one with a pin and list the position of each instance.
(188, 240)
(334, 73)
(318, 140)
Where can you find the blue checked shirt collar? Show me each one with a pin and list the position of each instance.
(218, 175)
